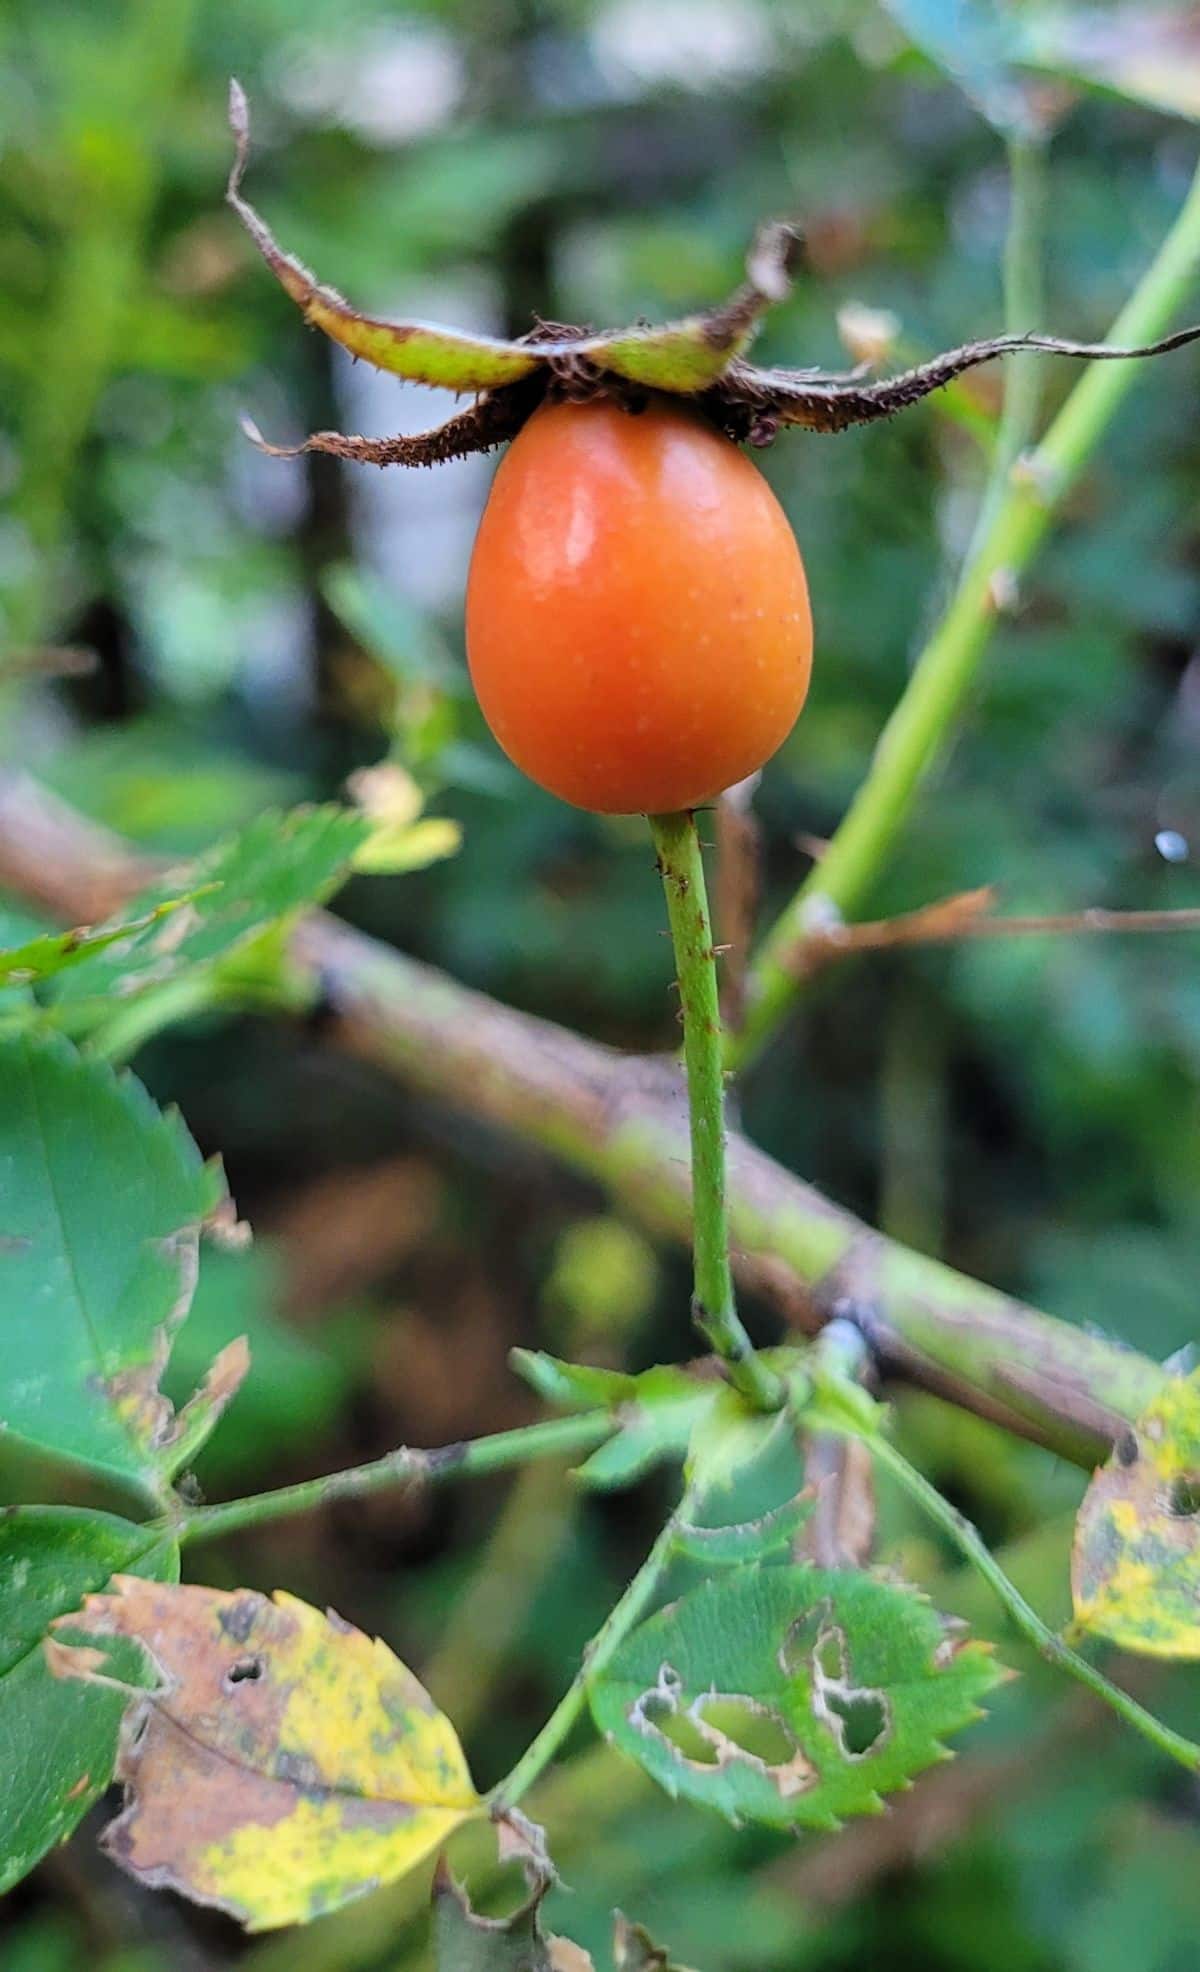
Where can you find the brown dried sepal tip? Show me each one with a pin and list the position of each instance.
(701, 357)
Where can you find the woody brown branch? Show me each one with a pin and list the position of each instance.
(623, 1122)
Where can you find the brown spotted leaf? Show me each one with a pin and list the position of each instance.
(102, 1200)
(790, 1695)
(1135, 1568)
(285, 1764)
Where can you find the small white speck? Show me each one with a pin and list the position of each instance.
(1171, 846)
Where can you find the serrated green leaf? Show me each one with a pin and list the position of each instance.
(789, 1695)
(658, 1409)
(58, 1741)
(1135, 1566)
(52, 952)
(102, 1198)
(278, 863)
(746, 1487)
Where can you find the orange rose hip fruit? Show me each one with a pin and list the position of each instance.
(638, 625)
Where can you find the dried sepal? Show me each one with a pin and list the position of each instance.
(701, 356)
(417, 350)
(828, 403)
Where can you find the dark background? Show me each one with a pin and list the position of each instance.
(1028, 1110)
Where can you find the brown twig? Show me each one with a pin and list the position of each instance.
(970, 915)
(623, 1122)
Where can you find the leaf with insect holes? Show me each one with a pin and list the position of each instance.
(790, 1696)
(102, 1200)
(58, 1742)
(465, 1942)
(56, 951)
(1135, 1566)
(284, 1764)
(277, 864)
(657, 1411)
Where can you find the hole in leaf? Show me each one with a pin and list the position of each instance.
(1183, 1500)
(245, 1670)
(805, 1637)
(829, 1655)
(864, 1719)
(682, 1731)
(760, 1734)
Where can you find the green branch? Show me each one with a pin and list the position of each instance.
(621, 1618)
(714, 1309)
(404, 1467)
(615, 1120)
(923, 720)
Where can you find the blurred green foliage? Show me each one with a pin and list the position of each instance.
(261, 628)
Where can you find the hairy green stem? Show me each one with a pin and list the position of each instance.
(714, 1308)
(923, 719)
(404, 1467)
(621, 1618)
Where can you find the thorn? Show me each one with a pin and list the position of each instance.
(1004, 592)
(1032, 472)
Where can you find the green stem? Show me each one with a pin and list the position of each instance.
(922, 721)
(557, 1435)
(603, 1647)
(714, 1309)
(1024, 309)
(1025, 1619)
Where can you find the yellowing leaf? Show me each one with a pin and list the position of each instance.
(285, 1764)
(1135, 1568)
(395, 849)
(401, 838)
